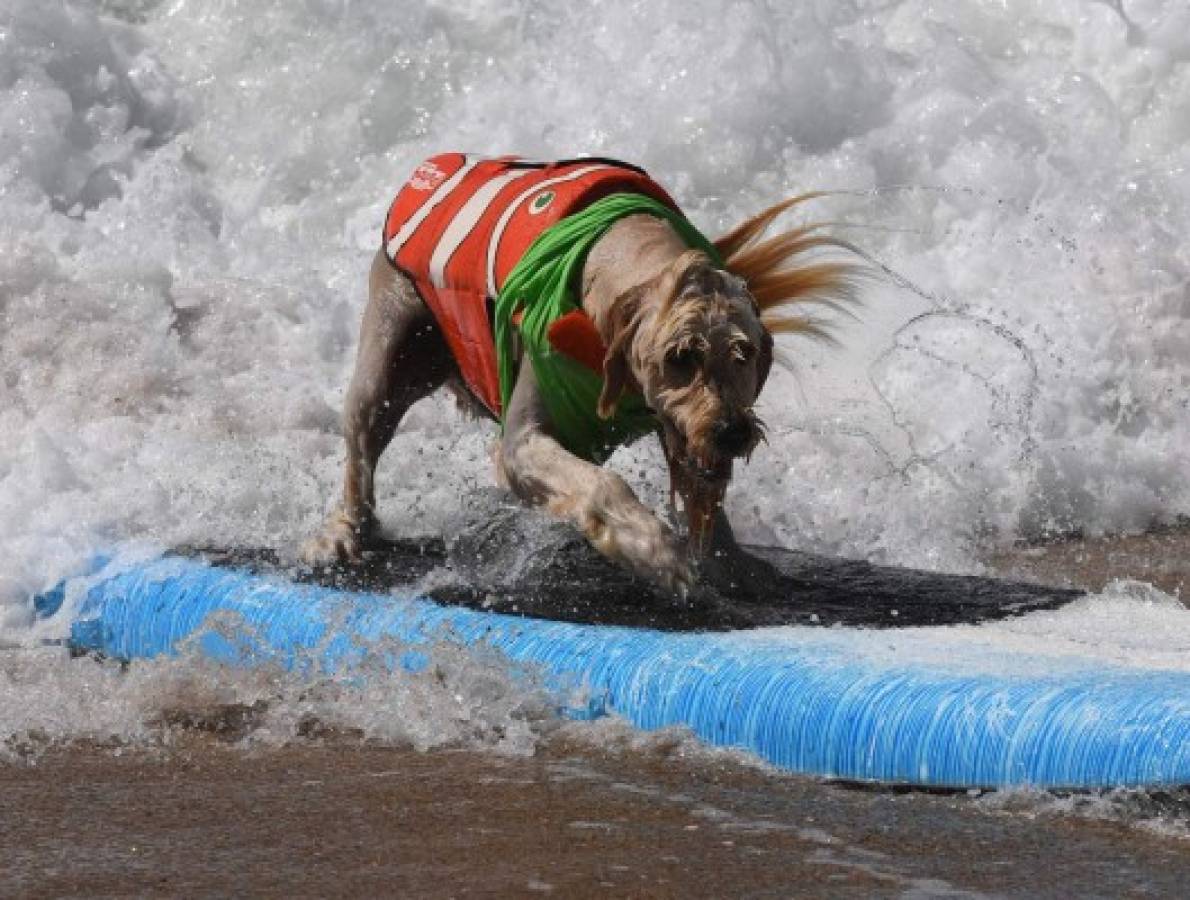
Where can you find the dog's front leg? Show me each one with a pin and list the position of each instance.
(735, 572)
(600, 503)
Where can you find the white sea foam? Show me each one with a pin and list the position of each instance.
(190, 192)
(1129, 626)
(458, 699)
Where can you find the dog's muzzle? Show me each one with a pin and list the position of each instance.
(719, 470)
(734, 436)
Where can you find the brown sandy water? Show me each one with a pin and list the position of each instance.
(325, 820)
(208, 812)
(1162, 558)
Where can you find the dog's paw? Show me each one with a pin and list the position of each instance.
(621, 528)
(340, 541)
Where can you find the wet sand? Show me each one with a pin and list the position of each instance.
(1161, 558)
(327, 816)
(341, 821)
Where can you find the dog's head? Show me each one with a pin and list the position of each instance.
(697, 342)
(692, 343)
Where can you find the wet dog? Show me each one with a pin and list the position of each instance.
(684, 333)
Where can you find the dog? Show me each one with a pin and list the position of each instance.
(574, 304)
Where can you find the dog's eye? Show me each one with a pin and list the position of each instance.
(742, 352)
(683, 359)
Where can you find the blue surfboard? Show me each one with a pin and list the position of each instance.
(802, 697)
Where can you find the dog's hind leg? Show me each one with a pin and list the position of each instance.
(540, 471)
(402, 358)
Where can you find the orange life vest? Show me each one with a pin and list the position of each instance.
(462, 222)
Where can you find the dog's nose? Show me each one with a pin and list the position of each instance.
(733, 435)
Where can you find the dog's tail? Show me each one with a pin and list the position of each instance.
(778, 279)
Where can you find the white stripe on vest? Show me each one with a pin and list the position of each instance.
(440, 193)
(464, 221)
(498, 231)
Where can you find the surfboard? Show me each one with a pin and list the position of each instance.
(735, 663)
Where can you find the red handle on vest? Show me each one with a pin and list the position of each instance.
(575, 335)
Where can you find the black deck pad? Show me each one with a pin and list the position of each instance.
(512, 562)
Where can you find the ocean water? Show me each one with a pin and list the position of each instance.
(191, 190)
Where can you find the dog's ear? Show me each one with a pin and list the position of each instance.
(625, 317)
(764, 359)
(617, 373)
